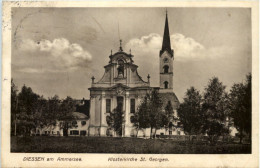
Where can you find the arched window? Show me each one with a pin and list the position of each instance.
(166, 69)
(132, 106)
(165, 60)
(165, 85)
(120, 68)
(132, 119)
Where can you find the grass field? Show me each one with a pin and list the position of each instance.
(48, 144)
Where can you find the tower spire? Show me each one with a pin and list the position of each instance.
(166, 45)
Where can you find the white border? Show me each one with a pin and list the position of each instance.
(101, 160)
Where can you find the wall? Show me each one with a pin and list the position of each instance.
(80, 127)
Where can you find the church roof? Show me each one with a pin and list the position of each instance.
(170, 97)
(166, 45)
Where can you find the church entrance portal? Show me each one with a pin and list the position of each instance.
(120, 101)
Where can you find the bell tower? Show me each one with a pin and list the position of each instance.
(166, 60)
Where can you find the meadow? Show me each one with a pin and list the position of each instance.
(50, 144)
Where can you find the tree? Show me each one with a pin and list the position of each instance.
(116, 119)
(248, 105)
(227, 113)
(155, 111)
(189, 112)
(27, 108)
(41, 115)
(167, 116)
(14, 107)
(150, 113)
(213, 109)
(30, 111)
(241, 107)
(65, 114)
(141, 119)
(47, 112)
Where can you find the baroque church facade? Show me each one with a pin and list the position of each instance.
(121, 86)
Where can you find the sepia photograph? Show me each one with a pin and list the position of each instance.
(119, 80)
(130, 80)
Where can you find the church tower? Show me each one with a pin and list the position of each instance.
(166, 60)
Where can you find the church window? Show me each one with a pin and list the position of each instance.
(120, 68)
(165, 85)
(166, 69)
(165, 60)
(108, 105)
(132, 106)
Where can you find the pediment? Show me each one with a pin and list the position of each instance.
(127, 58)
(119, 88)
(119, 85)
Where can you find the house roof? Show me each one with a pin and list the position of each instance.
(79, 115)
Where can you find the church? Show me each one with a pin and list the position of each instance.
(121, 86)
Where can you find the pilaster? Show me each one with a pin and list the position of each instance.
(127, 114)
(103, 109)
(92, 116)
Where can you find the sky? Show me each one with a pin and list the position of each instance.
(56, 51)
